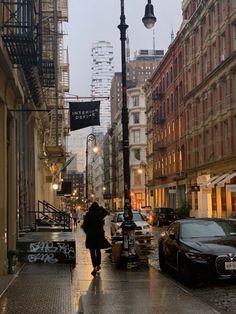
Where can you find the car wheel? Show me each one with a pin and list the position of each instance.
(162, 261)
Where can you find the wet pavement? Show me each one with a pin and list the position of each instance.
(58, 289)
(114, 291)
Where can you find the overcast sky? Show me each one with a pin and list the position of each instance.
(93, 20)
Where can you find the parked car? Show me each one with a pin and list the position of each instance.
(142, 227)
(232, 216)
(165, 215)
(200, 248)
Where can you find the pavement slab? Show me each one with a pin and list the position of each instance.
(39, 289)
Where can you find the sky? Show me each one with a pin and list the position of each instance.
(93, 20)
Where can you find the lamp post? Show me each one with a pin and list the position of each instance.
(90, 138)
(128, 226)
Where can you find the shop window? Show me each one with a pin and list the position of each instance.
(137, 177)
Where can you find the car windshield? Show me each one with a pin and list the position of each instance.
(136, 217)
(207, 228)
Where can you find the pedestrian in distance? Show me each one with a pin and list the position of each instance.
(95, 234)
(75, 218)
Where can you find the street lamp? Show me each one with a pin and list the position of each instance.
(140, 170)
(90, 138)
(128, 226)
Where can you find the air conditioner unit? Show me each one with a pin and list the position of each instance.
(222, 57)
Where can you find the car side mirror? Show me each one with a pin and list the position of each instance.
(172, 235)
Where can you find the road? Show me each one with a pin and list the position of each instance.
(220, 294)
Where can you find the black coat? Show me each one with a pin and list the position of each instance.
(93, 227)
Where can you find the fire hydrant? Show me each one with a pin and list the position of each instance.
(10, 256)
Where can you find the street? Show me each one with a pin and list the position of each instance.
(220, 294)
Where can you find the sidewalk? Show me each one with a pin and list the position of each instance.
(50, 289)
(113, 291)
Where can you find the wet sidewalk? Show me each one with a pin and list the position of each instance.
(113, 291)
(55, 289)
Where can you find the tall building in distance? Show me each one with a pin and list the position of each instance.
(102, 73)
(138, 71)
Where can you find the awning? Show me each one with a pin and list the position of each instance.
(226, 179)
(206, 183)
(216, 180)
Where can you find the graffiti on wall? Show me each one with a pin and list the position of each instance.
(50, 252)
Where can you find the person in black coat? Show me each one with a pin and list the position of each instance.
(95, 234)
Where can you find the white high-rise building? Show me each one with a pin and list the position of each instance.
(102, 73)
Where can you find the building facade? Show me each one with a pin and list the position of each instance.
(138, 71)
(102, 73)
(191, 100)
(210, 100)
(32, 76)
(137, 144)
(166, 134)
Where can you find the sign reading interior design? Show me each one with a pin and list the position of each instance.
(84, 114)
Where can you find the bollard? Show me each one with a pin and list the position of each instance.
(10, 257)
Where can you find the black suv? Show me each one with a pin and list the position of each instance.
(165, 215)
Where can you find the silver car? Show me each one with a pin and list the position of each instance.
(142, 227)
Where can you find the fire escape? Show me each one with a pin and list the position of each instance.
(32, 32)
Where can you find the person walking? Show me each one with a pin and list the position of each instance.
(75, 217)
(95, 234)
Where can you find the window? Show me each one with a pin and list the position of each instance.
(135, 101)
(136, 117)
(234, 36)
(204, 65)
(225, 139)
(137, 153)
(214, 100)
(223, 47)
(216, 142)
(173, 162)
(223, 92)
(213, 55)
(222, 9)
(136, 136)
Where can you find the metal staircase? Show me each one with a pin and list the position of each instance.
(50, 218)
